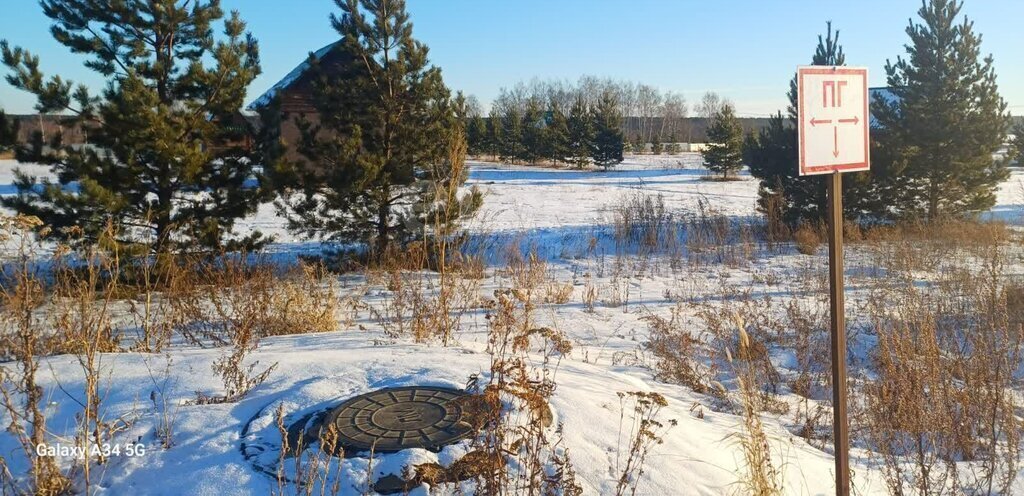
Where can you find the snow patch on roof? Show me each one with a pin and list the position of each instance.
(886, 94)
(287, 81)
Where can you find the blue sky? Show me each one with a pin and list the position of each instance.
(746, 50)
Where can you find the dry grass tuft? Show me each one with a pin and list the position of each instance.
(304, 300)
(761, 477)
(807, 239)
(315, 470)
(21, 294)
(558, 293)
(681, 357)
(645, 432)
(236, 303)
(517, 442)
(946, 369)
(643, 223)
(715, 238)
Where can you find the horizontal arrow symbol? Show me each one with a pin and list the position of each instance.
(815, 122)
(847, 121)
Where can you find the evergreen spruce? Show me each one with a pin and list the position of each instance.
(8, 132)
(373, 163)
(656, 147)
(477, 136)
(606, 149)
(511, 135)
(724, 153)
(936, 137)
(773, 156)
(1017, 151)
(639, 145)
(495, 134)
(556, 134)
(580, 134)
(673, 148)
(460, 106)
(750, 143)
(164, 170)
(533, 144)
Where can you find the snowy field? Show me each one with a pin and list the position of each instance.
(559, 213)
(554, 205)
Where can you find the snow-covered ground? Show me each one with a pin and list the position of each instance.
(557, 210)
(546, 202)
(526, 198)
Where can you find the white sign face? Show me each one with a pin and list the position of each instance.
(833, 126)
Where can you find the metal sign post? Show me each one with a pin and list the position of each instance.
(837, 309)
(833, 129)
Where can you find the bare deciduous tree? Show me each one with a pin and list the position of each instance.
(648, 103)
(710, 104)
(673, 111)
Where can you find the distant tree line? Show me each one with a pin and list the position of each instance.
(650, 112)
(644, 114)
(529, 128)
(526, 122)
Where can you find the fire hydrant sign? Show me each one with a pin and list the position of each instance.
(833, 127)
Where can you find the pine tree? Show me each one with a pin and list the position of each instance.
(468, 114)
(580, 134)
(751, 142)
(495, 134)
(674, 148)
(1018, 143)
(533, 142)
(8, 132)
(724, 153)
(373, 163)
(656, 147)
(773, 157)
(477, 136)
(639, 145)
(556, 135)
(606, 149)
(511, 135)
(937, 135)
(164, 170)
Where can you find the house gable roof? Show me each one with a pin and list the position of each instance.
(290, 79)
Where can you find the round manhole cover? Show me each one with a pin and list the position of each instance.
(394, 419)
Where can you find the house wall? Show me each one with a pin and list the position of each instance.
(296, 102)
(51, 125)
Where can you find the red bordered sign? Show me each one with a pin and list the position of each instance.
(833, 119)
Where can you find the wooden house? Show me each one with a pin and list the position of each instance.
(293, 94)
